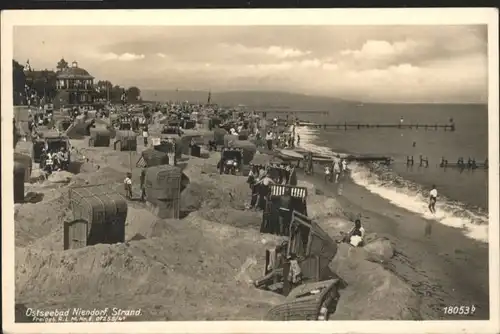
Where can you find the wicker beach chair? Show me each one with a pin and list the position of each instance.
(310, 301)
(125, 140)
(99, 213)
(99, 137)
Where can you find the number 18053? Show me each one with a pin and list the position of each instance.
(459, 310)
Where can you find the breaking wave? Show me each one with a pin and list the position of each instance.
(382, 181)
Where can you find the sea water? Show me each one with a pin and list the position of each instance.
(463, 195)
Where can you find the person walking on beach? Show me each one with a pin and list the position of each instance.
(344, 166)
(128, 185)
(432, 199)
(336, 169)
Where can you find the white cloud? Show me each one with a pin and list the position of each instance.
(280, 52)
(123, 57)
(373, 49)
(161, 55)
(275, 51)
(306, 64)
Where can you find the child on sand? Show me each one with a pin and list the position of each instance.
(432, 199)
(128, 186)
(355, 235)
(327, 173)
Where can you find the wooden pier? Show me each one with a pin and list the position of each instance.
(322, 122)
(359, 126)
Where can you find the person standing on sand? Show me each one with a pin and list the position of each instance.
(251, 180)
(145, 135)
(269, 140)
(143, 184)
(433, 199)
(264, 185)
(128, 185)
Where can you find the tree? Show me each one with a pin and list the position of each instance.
(116, 94)
(44, 83)
(62, 64)
(19, 82)
(133, 94)
(104, 87)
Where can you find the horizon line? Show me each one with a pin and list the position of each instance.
(341, 99)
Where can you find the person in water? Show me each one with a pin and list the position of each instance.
(433, 199)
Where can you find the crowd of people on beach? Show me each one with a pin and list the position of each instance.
(259, 179)
(54, 160)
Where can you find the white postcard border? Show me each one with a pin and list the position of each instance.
(413, 16)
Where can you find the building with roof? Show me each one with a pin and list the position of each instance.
(74, 85)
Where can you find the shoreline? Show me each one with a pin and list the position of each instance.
(445, 268)
(411, 194)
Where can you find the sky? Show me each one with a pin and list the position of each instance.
(365, 63)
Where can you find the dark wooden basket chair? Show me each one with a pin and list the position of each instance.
(230, 153)
(310, 245)
(282, 201)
